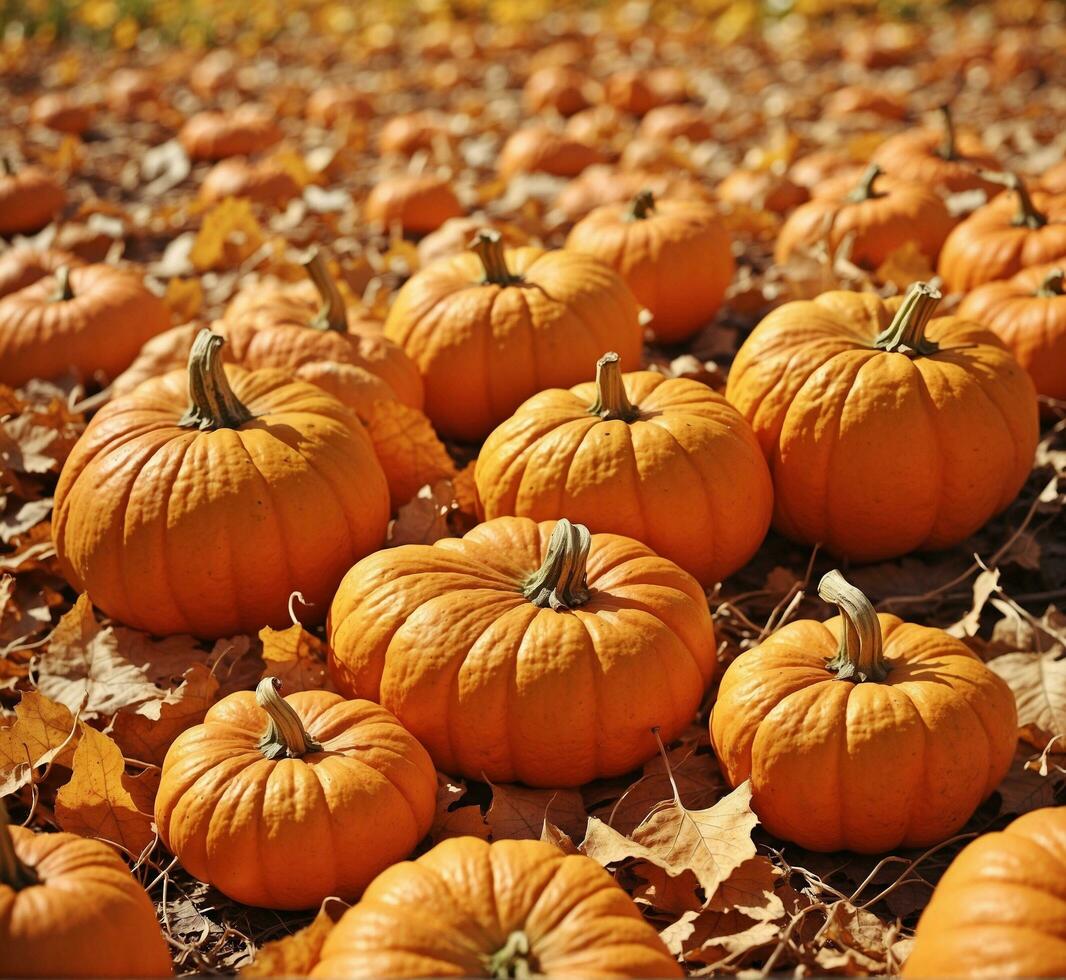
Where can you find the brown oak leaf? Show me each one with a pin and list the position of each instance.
(519, 813)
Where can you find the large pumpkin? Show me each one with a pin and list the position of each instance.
(190, 506)
(281, 802)
(675, 255)
(666, 461)
(885, 430)
(863, 733)
(999, 909)
(490, 327)
(526, 652)
(69, 907)
(514, 908)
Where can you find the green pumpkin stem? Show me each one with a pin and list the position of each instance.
(561, 582)
(14, 872)
(513, 960)
(285, 736)
(1052, 284)
(860, 656)
(906, 333)
(1027, 216)
(611, 402)
(488, 244)
(947, 149)
(63, 291)
(333, 314)
(643, 205)
(212, 402)
(864, 189)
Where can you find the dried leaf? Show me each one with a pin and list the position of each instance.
(453, 818)
(42, 732)
(228, 235)
(296, 657)
(297, 955)
(905, 265)
(424, 519)
(1038, 681)
(519, 813)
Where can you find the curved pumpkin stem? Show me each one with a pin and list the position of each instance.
(512, 960)
(1052, 284)
(333, 315)
(561, 582)
(1027, 215)
(860, 656)
(213, 404)
(864, 190)
(612, 402)
(643, 205)
(947, 149)
(906, 333)
(63, 290)
(285, 737)
(488, 244)
(14, 872)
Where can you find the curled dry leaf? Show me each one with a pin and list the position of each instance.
(296, 955)
(426, 517)
(297, 658)
(1038, 681)
(42, 732)
(520, 813)
(454, 816)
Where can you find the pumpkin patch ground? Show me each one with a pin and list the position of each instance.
(515, 489)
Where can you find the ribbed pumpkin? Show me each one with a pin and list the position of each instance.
(513, 908)
(418, 203)
(23, 265)
(863, 733)
(1028, 313)
(600, 185)
(1010, 233)
(281, 802)
(999, 909)
(69, 907)
(879, 213)
(886, 430)
(86, 319)
(216, 135)
(29, 198)
(190, 506)
(675, 255)
(666, 461)
(491, 327)
(526, 652)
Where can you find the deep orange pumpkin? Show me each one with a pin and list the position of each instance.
(539, 149)
(418, 203)
(29, 198)
(215, 135)
(264, 182)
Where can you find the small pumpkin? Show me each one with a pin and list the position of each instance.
(540, 149)
(527, 652)
(653, 156)
(217, 501)
(69, 907)
(1010, 233)
(863, 733)
(878, 213)
(86, 319)
(491, 327)
(214, 136)
(886, 430)
(406, 134)
(23, 265)
(667, 123)
(30, 198)
(764, 190)
(629, 455)
(264, 182)
(331, 105)
(513, 908)
(629, 91)
(281, 802)
(998, 910)
(62, 113)
(557, 87)
(675, 255)
(418, 203)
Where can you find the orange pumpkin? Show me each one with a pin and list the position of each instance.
(190, 506)
(333, 104)
(526, 652)
(513, 908)
(555, 87)
(627, 455)
(86, 319)
(863, 733)
(885, 431)
(454, 236)
(61, 112)
(1054, 179)
(998, 910)
(264, 182)
(418, 203)
(539, 149)
(600, 185)
(879, 214)
(246, 130)
(814, 168)
(29, 198)
(69, 907)
(675, 255)
(629, 91)
(1010, 233)
(667, 123)
(281, 802)
(490, 327)
(406, 134)
(23, 265)
(763, 190)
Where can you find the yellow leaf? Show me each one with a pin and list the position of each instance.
(294, 165)
(297, 955)
(297, 658)
(185, 297)
(904, 266)
(42, 732)
(228, 235)
(408, 449)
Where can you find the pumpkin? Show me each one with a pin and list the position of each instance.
(281, 802)
(526, 652)
(190, 506)
(69, 907)
(418, 203)
(762, 189)
(406, 134)
(1054, 179)
(629, 91)
(1028, 313)
(555, 87)
(863, 733)
(628, 455)
(539, 149)
(653, 156)
(87, 319)
(814, 168)
(62, 113)
(855, 99)
(166, 351)
(600, 185)
(943, 160)
(264, 182)
(998, 910)
(1010, 233)
(885, 432)
(216, 135)
(667, 123)
(131, 89)
(879, 214)
(334, 104)
(29, 198)
(491, 327)
(675, 255)
(23, 265)
(513, 908)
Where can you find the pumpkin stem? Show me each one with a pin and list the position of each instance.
(285, 736)
(864, 189)
(643, 205)
(1027, 215)
(906, 333)
(561, 583)
(860, 656)
(488, 244)
(63, 290)
(947, 150)
(6, 165)
(14, 872)
(213, 404)
(333, 315)
(513, 960)
(611, 402)
(1052, 284)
